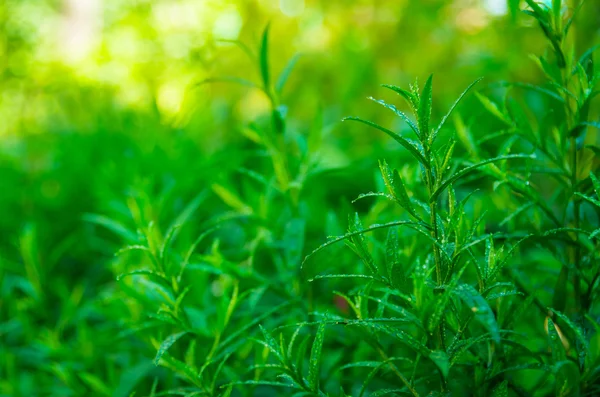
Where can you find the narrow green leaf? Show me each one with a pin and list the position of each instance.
(192, 248)
(370, 377)
(260, 383)
(112, 225)
(395, 186)
(480, 308)
(536, 88)
(285, 74)
(96, 384)
(245, 49)
(385, 392)
(556, 13)
(144, 272)
(589, 199)
(142, 248)
(373, 194)
(366, 230)
(401, 194)
(595, 183)
(570, 21)
(408, 96)
(493, 108)
(363, 307)
(326, 276)
(536, 8)
(227, 392)
(398, 334)
(293, 340)
(555, 343)
(472, 168)
(166, 344)
(359, 245)
(575, 329)
(441, 302)
(440, 359)
(372, 364)
(424, 113)
(398, 113)
(414, 150)
(466, 138)
(314, 367)
(447, 156)
(456, 102)
(567, 378)
(501, 390)
(271, 343)
(229, 79)
(264, 59)
(490, 257)
(187, 213)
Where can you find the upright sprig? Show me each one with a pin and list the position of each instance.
(273, 136)
(574, 81)
(440, 330)
(564, 159)
(435, 163)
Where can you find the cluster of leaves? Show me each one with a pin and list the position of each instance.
(218, 293)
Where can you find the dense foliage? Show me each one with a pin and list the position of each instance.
(251, 244)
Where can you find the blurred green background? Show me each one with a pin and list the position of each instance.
(102, 97)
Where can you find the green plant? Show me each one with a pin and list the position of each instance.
(565, 220)
(472, 266)
(432, 301)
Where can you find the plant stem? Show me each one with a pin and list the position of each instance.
(434, 234)
(570, 122)
(577, 221)
(434, 228)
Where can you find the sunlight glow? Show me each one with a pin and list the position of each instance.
(496, 7)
